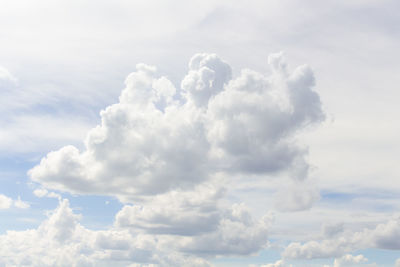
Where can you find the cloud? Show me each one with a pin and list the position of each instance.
(167, 154)
(187, 213)
(383, 236)
(197, 223)
(21, 204)
(332, 229)
(296, 197)
(42, 192)
(397, 264)
(158, 138)
(61, 240)
(7, 80)
(349, 260)
(5, 202)
(278, 263)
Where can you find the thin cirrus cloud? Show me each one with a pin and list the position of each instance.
(158, 138)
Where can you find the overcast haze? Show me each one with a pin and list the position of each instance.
(199, 133)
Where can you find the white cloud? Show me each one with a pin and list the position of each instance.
(21, 204)
(61, 240)
(158, 138)
(383, 236)
(279, 263)
(397, 264)
(42, 192)
(196, 222)
(349, 260)
(177, 213)
(7, 80)
(5, 202)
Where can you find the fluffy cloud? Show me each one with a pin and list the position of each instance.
(5, 202)
(168, 152)
(62, 241)
(349, 260)
(397, 264)
(383, 236)
(21, 204)
(186, 213)
(42, 192)
(197, 223)
(158, 138)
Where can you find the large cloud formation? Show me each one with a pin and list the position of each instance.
(140, 237)
(166, 153)
(158, 138)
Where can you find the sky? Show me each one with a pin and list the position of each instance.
(199, 133)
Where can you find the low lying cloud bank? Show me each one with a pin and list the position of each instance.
(383, 236)
(62, 241)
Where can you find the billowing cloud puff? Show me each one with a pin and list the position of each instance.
(158, 138)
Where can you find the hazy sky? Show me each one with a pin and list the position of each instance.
(199, 133)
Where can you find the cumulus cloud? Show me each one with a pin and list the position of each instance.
(167, 153)
(21, 204)
(158, 138)
(186, 213)
(383, 236)
(42, 192)
(397, 264)
(5, 202)
(61, 240)
(196, 222)
(349, 260)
